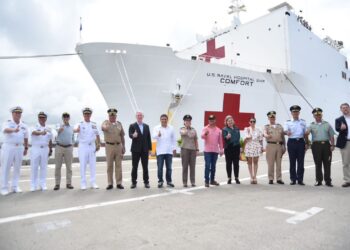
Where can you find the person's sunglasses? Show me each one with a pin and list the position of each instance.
(252, 121)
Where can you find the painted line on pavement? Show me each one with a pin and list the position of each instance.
(298, 216)
(52, 225)
(282, 210)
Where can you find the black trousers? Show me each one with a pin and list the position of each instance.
(232, 157)
(322, 155)
(136, 156)
(296, 151)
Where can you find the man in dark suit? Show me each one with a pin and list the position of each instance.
(343, 141)
(140, 147)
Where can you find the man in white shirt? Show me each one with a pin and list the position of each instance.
(40, 152)
(343, 141)
(14, 147)
(166, 148)
(89, 143)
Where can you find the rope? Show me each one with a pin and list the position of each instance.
(122, 78)
(279, 94)
(129, 84)
(299, 92)
(37, 56)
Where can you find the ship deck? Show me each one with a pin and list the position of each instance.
(233, 216)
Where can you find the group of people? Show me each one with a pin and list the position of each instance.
(216, 142)
(228, 141)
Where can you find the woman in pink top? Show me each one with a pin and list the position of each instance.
(212, 137)
(253, 148)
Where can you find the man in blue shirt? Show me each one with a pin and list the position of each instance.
(295, 129)
(64, 151)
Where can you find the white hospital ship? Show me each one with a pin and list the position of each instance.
(244, 70)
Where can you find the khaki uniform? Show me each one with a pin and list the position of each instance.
(188, 154)
(114, 147)
(274, 150)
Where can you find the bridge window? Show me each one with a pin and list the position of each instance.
(346, 64)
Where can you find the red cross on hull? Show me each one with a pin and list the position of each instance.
(231, 105)
(213, 52)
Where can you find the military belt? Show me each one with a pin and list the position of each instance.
(320, 142)
(64, 146)
(301, 139)
(275, 142)
(112, 143)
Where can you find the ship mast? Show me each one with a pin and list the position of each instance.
(235, 8)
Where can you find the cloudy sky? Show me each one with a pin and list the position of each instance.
(61, 84)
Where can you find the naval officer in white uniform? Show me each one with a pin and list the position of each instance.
(14, 147)
(89, 143)
(41, 150)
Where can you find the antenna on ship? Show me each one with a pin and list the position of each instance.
(235, 8)
(80, 30)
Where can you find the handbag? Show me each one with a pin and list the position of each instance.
(242, 156)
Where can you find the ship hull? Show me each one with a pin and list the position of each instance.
(156, 81)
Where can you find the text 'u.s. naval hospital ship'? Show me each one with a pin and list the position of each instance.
(244, 70)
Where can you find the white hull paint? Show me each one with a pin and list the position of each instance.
(305, 71)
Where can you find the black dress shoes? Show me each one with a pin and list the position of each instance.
(170, 184)
(293, 183)
(160, 184)
(280, 182)
(120, 186)
(346, 184)
(69, 186)
(237, 181)
(214, 183)
(301, 183)
(57, 187)
(270, 181)
(133, 186)
(109, 187)
(329, 184)
(229, 181)
(318, 183)
(147, 185)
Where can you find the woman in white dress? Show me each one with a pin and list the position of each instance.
(253, 148)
